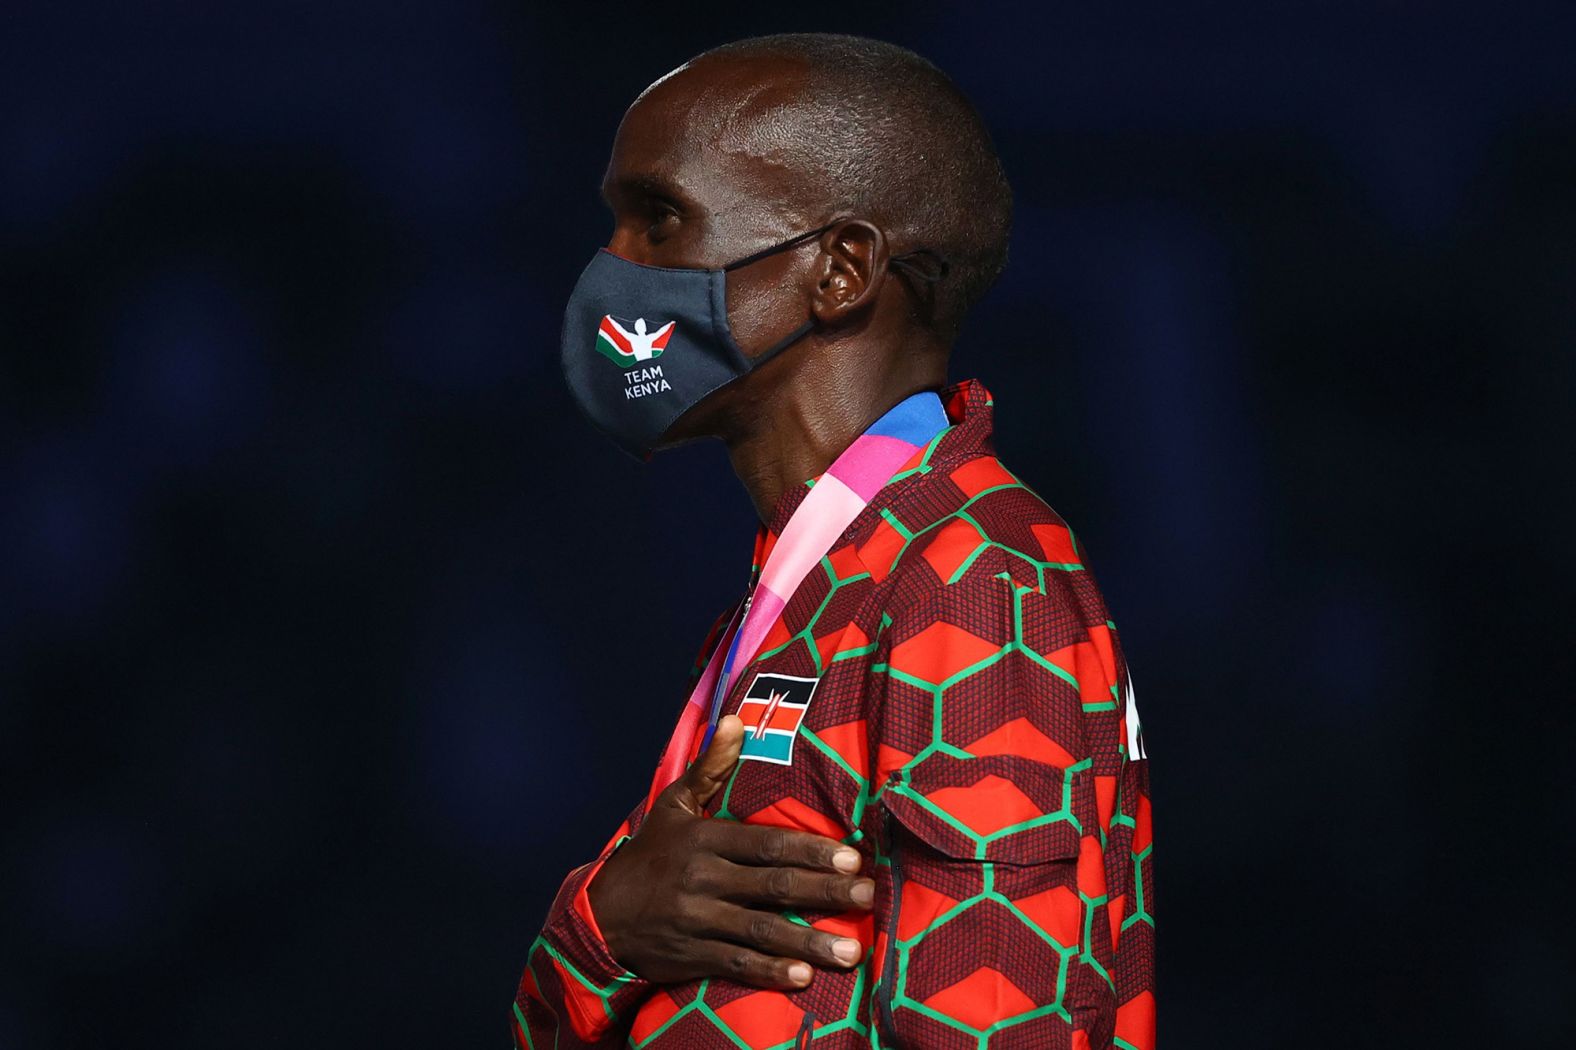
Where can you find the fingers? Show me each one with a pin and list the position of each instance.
(778, 887)
(711, 768)
(775, 847)
(747, 966)
(775, 936)
(796, 888)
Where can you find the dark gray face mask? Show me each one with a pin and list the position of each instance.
(642, 345)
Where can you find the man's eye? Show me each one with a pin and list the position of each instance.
(662, 218)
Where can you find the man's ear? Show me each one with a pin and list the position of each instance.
(853, 266)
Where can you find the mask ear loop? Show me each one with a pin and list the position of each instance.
(904, 264)
(793, 336)
(779, 247)
(907, 266)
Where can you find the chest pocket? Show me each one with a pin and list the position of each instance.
(980, 848)
(1005, 809)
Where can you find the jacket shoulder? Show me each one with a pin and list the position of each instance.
(965, 522)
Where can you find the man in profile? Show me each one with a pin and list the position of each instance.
(906, 802)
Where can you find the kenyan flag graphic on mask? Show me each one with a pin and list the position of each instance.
(630, 344)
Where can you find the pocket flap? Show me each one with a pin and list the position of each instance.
(1000, 808)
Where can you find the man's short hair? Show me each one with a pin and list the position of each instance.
(882, 132)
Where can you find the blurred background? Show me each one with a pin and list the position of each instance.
(306, 684)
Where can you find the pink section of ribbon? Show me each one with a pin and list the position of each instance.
(755, 628)
(877, 457)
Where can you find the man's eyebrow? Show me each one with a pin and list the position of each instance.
(643, 184)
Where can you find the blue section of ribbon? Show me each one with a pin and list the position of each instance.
(915, 419)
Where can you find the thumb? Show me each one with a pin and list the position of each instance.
(711, 767)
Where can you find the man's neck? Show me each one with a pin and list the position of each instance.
(807, 422)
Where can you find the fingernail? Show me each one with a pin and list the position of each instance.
(864, 891)
(846, 860)
(845, 949)
(799, 973)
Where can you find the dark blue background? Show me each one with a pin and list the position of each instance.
(331, 636)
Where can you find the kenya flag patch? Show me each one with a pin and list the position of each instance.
(773, 708)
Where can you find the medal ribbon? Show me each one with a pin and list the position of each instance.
(847, 487)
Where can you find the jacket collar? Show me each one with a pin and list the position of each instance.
(969, 411)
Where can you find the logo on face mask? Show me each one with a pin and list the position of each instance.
(630, 348)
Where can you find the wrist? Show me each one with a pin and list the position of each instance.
(591, 902)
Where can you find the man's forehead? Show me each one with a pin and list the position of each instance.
(718, 95)
(713, 118)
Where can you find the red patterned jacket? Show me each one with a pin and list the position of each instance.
(967, 729)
